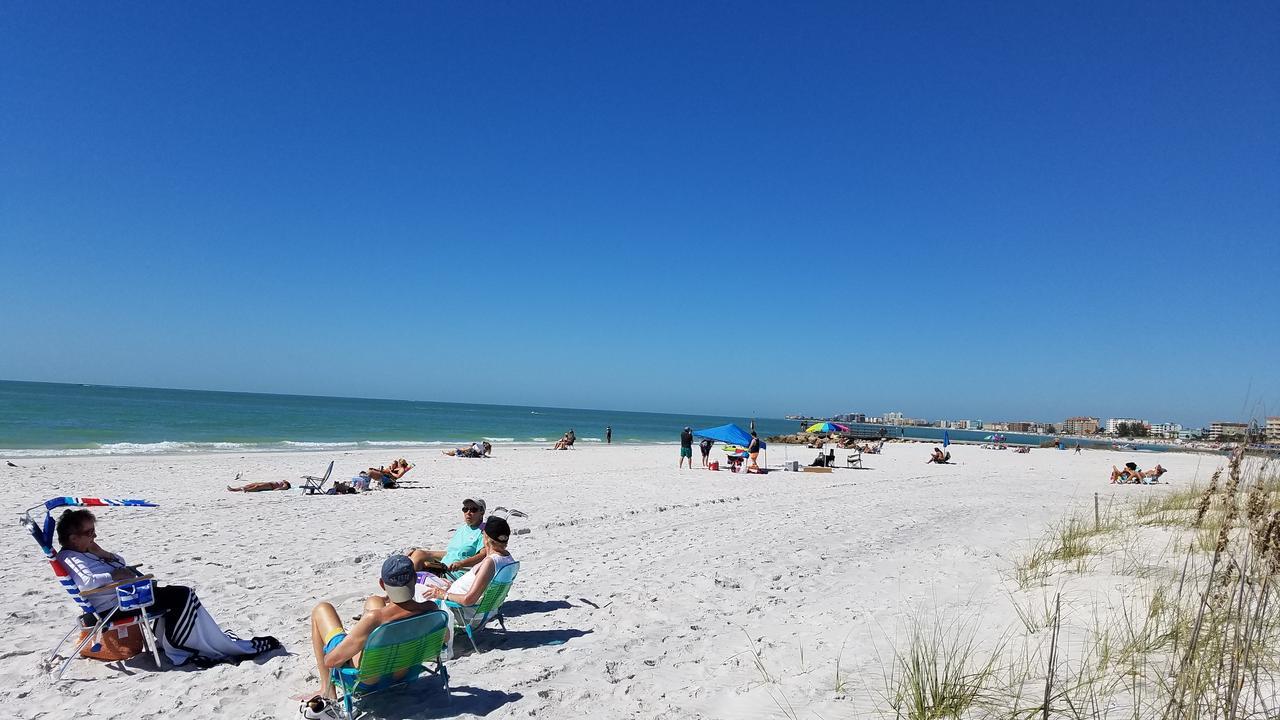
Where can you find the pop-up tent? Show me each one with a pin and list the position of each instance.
(729, 434)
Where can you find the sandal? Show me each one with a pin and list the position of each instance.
(320, 708)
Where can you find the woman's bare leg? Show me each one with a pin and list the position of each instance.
(324, 620)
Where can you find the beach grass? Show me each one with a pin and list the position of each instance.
(1196, 637)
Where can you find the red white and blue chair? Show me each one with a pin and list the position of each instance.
(131, 598)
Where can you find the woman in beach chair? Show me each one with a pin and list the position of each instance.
(186, 631)
(465, 549)
(261, 486)
(940, 457)
(1152, 476)
(389, 475)
(468, 589)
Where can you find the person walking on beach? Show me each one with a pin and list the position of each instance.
(608, 434)
(686, 446)
(753, 450)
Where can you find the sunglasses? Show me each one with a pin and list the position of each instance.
(470, 509)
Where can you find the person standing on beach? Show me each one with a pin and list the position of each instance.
(686, 446)
(753, 450)
(705, 446)
(608, 434)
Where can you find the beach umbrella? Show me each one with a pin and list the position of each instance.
(946, 438)
(826, 427)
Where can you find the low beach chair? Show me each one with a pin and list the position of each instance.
(132, 597)
(393, 655)
(315, 485)
(470, 618)
(854, 460)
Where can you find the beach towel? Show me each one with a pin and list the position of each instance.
(187, 632)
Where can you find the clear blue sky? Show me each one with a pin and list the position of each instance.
(983, 210)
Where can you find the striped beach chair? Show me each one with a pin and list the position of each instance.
(132, 598)
(393, 655)
(470, 618)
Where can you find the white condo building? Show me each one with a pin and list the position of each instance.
(1113, 424)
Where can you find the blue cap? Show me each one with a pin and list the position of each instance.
(398, 578)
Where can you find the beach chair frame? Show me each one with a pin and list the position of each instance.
(315, 485)
(391, 655)
(471, 618)
(132, 598)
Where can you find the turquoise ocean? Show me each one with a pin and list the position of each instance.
(65, 419)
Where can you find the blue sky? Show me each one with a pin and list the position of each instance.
(997, 211)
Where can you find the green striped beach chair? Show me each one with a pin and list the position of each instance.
(471, 618)
(395, 654)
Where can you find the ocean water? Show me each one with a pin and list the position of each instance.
(61, 419)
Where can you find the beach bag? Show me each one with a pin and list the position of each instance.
(116, 643)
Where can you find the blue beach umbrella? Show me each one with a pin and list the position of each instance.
(946, 438)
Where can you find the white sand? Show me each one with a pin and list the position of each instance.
(642, 592)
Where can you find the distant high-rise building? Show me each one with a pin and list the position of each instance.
(1219, 430)
(893, 418)
(1080, 425)
(1273, 429)
(1113, 424)
(1166, 430)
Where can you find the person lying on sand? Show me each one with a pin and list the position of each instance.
(939, 457)
(335, 646)
(474, 450)
(261, 486)
(468, 589)
(1128, 474)
(466, 547)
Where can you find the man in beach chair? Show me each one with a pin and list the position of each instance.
(465, 549)
(394, 636)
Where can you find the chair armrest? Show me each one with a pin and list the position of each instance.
(111, 587)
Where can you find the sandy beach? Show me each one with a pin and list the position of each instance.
(644, 592)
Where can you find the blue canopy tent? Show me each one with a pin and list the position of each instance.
(729, 434)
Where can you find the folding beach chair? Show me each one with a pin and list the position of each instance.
(315, 485)
(132, 598)
(470, 618)
(854, 460)
(393, 655)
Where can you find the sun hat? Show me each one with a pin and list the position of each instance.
(497, 529)
(398, 578)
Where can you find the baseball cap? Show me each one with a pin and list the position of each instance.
(497, 529)
(398, 578)
(475, 501)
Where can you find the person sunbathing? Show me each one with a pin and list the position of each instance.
(567, 441)
(335, 646)
(939, 457)
(474, 450)
(466, 547)
(261, 486)
(468, 589)
(389, 475)
(186, 632)
(1148, 477)
(1128, 474)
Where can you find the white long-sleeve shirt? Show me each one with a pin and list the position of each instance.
(90, 571)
